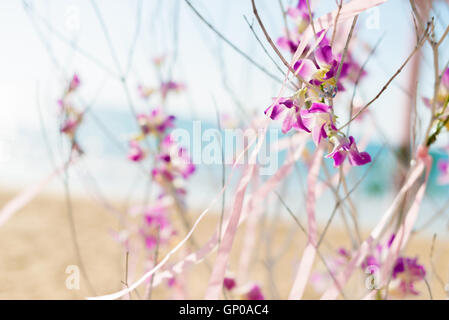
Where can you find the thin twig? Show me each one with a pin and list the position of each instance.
(136, 36)
(270, 41)
(432, 263)
(418, 46)
(334, 32)
(345, 51)
(309, 9)
(232, 45)
(329, 270)
(250, 25)
(359, 76)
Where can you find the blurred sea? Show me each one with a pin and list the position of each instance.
(30, 154)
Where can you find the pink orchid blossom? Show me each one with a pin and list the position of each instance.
(74, 83)
(174, 161)
(157, 226)
(320, 120)
(71, 124)
(407, 272)
(169, 86)
(346, 147)
(301, 17)
(306, 110)
(255, 293)
(71, 118)
(291, 113)
(136, 152)
(156, 122)
(229, 283)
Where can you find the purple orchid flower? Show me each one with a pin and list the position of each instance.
(157, 224)
(327, 69)
(319, 118)
(136, 152)
(255, 293)
(156, 122)
(300, 11)
(157, 219)
(291, 112)
(324, 68)
(71, 117)
(405, 273)
(408, 271)
(71, 124)
(300, 14)
(74, 83)
(169, 86)
(229, 283)
(174, 161)
(347, 148)
(287, 43)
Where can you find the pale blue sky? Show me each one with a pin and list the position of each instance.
(26, 66)
(28, 74)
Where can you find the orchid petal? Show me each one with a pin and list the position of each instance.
(359, 158)
(276, 110)
(300, 124)
(288, 122)
(306, 68)
(339, 157)
(323, 56)
(319, 108)
(317, 134)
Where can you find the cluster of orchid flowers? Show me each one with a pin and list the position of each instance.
(171, 164)
(71, 118)
(290, 42)
(172, 161)
(405, 274)
(252, 291)
(406, 271)
(310, 108)
(157, 228)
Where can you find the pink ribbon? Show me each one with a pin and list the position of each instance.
(27, 195)
(364, 249)
(305, 267)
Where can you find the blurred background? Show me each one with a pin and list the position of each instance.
(45, 42)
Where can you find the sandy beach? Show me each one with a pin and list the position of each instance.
(36, 247)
